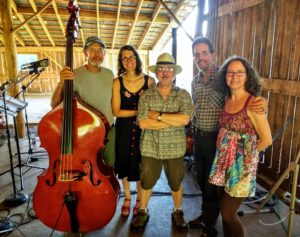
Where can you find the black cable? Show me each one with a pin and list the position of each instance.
(159, 193)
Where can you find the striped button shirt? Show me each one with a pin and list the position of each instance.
(208, 102)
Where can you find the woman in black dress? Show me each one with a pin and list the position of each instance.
(127, 87)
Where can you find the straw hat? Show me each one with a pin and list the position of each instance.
(165, 59)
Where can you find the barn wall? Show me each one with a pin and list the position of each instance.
(267, 33)
(48, 79)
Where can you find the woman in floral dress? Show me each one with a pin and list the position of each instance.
(242, 135)
(127, 87)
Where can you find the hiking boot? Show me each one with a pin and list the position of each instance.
(139, 221)
(196, 223)
(180, 223)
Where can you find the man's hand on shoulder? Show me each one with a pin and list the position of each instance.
(258, 105)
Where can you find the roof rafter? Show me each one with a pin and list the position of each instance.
(135, 22)
(116, 25)
(61, 24)
(34, 7)
(138, 9)
(98, 23)
(155, 14)
(18, 37)
(103, 15)
(167, 27)
(21, 18)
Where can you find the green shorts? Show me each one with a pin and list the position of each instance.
(151, 169)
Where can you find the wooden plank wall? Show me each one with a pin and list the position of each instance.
(267, 33)
(47, 81)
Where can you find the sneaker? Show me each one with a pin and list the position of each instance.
(180, 223)
(196, 223)
(139, 221)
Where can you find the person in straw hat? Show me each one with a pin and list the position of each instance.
(163, 111)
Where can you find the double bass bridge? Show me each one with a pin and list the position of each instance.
(71, 175)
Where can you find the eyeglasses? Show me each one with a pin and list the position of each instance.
(203, 54)
(96, 50)
(237, 73)
(131, 59)
(165, 69)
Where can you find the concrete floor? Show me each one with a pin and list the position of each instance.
(160, 206)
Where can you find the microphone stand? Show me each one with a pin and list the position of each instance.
(16, 198)
(30, 150)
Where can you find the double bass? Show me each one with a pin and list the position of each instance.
(73, 195)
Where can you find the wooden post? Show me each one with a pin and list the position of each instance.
(174, 47)
(11, 56)
(200, 18)
(199, 24)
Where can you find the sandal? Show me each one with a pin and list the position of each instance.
(136, 207)
(125, 210)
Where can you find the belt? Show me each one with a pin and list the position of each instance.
(202, 133)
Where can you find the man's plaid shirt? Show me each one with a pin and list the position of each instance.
(208, 102)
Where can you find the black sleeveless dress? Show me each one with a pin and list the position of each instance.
(128, 134)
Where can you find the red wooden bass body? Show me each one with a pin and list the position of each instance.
(77, 193)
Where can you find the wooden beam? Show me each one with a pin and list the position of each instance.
(103, 15)
(34, 7)
(200, 18)
(81, 30)
(285, 87)
(33, 16)
(53, 60)
(21, 18)
(11, 57)
(98, 20)
(18, 38)
(155, 14)
(136, 15)
(61, 24)
(28, 49)
(235, 6)
(167, 27)
(176, 19)
(116, 25)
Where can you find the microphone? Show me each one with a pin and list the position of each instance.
(35, 65)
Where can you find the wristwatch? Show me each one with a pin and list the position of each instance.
(159, 116)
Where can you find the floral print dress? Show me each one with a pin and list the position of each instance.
(236, 159)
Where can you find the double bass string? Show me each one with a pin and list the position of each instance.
(67, 141)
